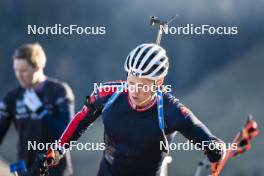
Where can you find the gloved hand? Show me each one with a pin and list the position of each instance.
(32, 100)
(218, 153)
(53, 157)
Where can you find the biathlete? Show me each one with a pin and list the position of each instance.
(136, 120)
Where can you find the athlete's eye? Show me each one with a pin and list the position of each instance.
(131, 83)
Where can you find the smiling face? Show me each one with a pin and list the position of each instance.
(25, 73)
(140, 91)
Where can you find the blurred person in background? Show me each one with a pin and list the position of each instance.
(39, 107)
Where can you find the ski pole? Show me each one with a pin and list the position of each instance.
(201, 164)
(243, 138)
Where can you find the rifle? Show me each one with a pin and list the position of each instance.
(154, 21)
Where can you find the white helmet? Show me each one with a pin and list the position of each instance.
(147, 60)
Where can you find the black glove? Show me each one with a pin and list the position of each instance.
(39, 167)
(217, 152)
(53, 157)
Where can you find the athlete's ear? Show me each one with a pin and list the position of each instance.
(36, 68)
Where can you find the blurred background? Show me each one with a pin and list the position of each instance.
(219, 77)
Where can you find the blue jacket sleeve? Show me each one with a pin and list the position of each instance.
(5, 117)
